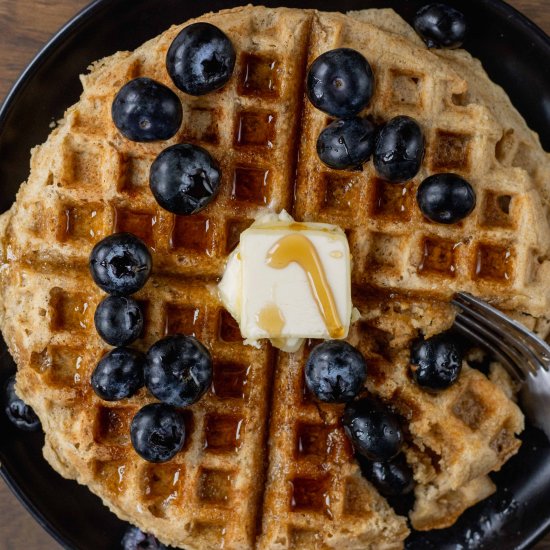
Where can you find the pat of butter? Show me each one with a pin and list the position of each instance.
(288, 281)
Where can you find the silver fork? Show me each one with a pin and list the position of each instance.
(524, 355)
(519, 350)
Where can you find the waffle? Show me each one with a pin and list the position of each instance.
(263, 465)
(498, 252)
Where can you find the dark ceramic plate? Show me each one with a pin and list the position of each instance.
(516, 54)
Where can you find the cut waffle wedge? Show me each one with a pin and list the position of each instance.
(264, 466)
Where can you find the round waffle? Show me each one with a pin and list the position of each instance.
(264, 466)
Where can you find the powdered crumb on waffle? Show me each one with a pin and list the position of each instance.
(262, 465)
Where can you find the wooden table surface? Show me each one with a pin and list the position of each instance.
(25, 25)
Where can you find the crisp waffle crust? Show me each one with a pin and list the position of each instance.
(263, 465)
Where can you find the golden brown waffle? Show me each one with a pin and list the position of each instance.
(456, 437)
(263, 466)
(498, 252)
(311, 467)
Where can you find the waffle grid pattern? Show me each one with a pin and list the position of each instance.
(315, 490)
(492, 253)
(473, 422)
(210, 485)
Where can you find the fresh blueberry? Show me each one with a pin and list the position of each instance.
(120, 264)
(335, 371)
(119, 374)
(436, 362)
(118, 320)
(134, 539)
(20, 414)
(374, 431)
(184, 179)
(446, 198)
(391, 478)
(399, 150)
(340, 82)
(157, 432)
(346, 143)
(201, 59)
(440, 26)
(178, 370)
(146, 110)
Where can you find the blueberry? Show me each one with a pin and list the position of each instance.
(446, 198)
(335, 371)
(119, 374)
(201, 59)
(118, 320)
(146, 110)
(440, 26)
(399, 150)
(134, 539)
(436, 362)
(120, 264)
(178, 370)
(20, 414)
(374, 431)
(391, 478)
(157, 432)
(184, 179)
(340, 82)
(346, 143)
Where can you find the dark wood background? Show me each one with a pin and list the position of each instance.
(25, 25)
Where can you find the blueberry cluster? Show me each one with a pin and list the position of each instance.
(177, 370)
(120, 265)
(184, 178)
(336, 372)
(377, 438)
(341, 83)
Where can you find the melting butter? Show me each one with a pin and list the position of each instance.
(299, 249)
(315, 302)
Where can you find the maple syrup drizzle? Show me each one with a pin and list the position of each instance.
(271, 320)
(295, 226)
(299, 249)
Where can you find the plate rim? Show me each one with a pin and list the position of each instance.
(24, 78)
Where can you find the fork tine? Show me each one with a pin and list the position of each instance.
(515, 333)
(475, 335)
(520, 352)
(490, 311)
(485, 334)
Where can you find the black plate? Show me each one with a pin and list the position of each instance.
(516, 54)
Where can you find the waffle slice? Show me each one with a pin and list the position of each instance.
(315, 494)
(456, 437)
(263, 467)
(87, 182)
(499, 251)
(210, 492)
